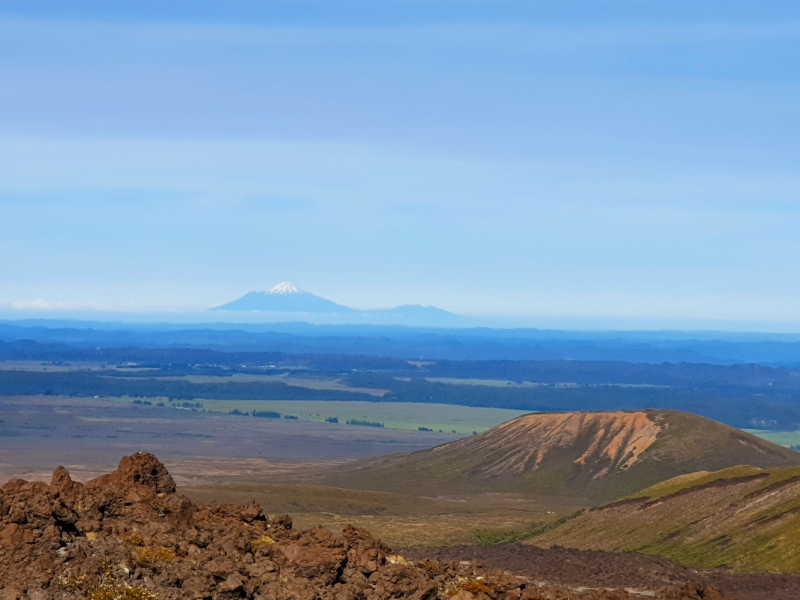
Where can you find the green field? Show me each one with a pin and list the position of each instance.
(394, 415)
(782, 438)
(311, 384)
(487, 382)
(525, 384)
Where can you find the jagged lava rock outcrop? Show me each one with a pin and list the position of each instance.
(130, 536)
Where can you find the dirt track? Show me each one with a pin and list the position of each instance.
(614, 570)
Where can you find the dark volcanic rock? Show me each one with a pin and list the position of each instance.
(129, 535)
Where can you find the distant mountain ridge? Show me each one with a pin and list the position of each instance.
(287, 298)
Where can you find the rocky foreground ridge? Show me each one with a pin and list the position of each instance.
(129, 535)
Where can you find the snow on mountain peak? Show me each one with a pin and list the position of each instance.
(284, 287)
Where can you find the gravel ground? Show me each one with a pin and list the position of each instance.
(609, 569)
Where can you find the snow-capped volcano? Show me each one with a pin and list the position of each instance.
(284, 287)
(287, 298)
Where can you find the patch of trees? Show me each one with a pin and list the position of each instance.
(266, 414)
(364, 423)
(181, 404)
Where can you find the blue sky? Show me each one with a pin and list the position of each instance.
(601, 160)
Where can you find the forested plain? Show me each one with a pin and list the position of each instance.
(748, 395)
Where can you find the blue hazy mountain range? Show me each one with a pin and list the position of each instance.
(287, 298)
(402, 341)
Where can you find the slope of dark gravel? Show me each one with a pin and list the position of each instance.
(572, 567)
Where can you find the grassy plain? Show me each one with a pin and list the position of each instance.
(408, 416)
(486, 382)
(36, 366)
(303, 382)
(90, 435)
(504, 383)
(782, 438)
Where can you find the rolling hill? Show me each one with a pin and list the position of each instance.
(596, 456)
(742, 517)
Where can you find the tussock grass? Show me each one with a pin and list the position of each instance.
(147, 556)
(750, 521)
(264, 540)
(118, 591)
(693, 480)
(489, 537)
(105, 585)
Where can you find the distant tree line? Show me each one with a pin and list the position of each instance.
(749, 396)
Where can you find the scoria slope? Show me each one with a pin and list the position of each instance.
(599, 456)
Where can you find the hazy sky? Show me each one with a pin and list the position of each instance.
(596, 159)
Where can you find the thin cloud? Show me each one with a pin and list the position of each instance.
(40, 304)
